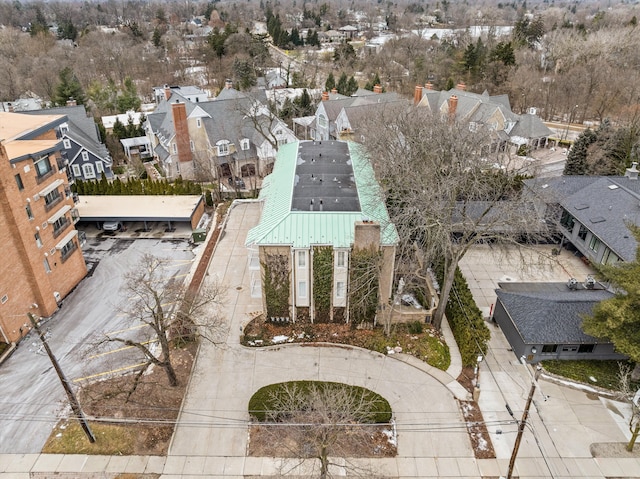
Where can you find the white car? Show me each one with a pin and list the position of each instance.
(112, 226)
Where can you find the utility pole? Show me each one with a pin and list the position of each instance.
(75, 405)
(523, 422)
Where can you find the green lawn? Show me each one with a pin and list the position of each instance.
(69, 438)
(605, 373)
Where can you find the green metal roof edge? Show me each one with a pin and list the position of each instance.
(279, 190)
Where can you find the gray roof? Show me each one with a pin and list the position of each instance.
(550, 313)
(530, 126)
(604, 204)
(359, 114)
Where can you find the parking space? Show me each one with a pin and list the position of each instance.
(31, 395)
(138, 229)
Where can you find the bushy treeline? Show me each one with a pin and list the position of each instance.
(136, 187)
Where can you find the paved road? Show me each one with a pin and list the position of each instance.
(31, 396)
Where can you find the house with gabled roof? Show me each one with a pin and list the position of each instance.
(232, 136)
(593, 212)
(88, 158)
(321, 207)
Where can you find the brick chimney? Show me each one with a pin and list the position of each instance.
(428, 85)
(72, 102)
(179, 111)
(453, 106)
(334, 90)
(461, 86)
(377, 89)
(417, 94)
(228, 84)
(325, 95)
(11, 108)
(167, 92)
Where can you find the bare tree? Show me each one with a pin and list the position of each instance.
(446, 188)
(627, 394)
(321, 421)
(170, 310)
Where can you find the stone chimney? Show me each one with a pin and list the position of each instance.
(461, 86)
(72, 102)
(377, 89)
(453, 106)
(179, 111)
(428, 85)
(632, 173)
(167, 92)
(228, 84)
(417, 94)
(325, 95)
(366, 235)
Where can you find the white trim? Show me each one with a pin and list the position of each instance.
(68, 237)
(50, 187)
(58, 214)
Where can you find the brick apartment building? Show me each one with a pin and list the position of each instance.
(42, 261)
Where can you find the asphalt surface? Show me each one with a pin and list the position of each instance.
(31, 396)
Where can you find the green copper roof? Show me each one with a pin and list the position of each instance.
(301, 229)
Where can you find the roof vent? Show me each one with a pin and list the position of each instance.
(632, 173)
(572, 284)
(589, 283)
(613, 187)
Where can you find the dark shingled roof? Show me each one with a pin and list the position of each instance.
(550, 313)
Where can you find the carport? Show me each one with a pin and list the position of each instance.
(172, 209)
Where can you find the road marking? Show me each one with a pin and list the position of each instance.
(125, 368)
(120, 349)
(128, 329)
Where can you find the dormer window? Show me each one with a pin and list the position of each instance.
(66, 143)
(244, 144)
(223, 147)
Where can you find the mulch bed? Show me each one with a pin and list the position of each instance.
(478, 433)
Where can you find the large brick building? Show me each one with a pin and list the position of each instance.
(42, 261)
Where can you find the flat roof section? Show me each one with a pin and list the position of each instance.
(324, 179)
(137, 208)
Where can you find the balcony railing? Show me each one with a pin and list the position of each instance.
(41, 178)
(52, 203)
(63, 226)
(69, 251)
(75, 216)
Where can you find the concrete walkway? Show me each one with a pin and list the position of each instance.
(211, 437)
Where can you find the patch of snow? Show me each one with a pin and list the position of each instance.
(391, 437)
(279, 339)
(592, 379)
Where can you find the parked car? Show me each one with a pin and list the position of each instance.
(236, 182)
(112, 226)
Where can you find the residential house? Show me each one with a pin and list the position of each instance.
(42, 261)
(231, 136)
(494, 112)
(190, 93)
(87, 157)
(320, 204)
(349, 31)
(333, 103)
(592, 212)
(543, 321)
(133, 117)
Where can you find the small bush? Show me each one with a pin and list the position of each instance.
(416, 327)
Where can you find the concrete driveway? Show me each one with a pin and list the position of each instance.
(31, 396)
(214, 419)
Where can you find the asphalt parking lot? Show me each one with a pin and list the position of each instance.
(31, 396)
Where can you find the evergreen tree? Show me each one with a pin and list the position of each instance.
(68, 88)
(119, 130)
(67, 30)
(352, 86)
(503, 52)
(330, 84)
(343, 84)
(373, 82)
(156, 39)
(39, 24)
(577, 158)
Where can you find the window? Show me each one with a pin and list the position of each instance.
(192, 145)
(29, 212)
(282, 141)
(549, 348)
(609, 257)
(68, 249)
(223, 147)
(47, 267)
(59, 224)
(198, 122)
(340, 259)
(570, 348)
(244, 144)
(302, 289)
(473, 126)
(322, 121)
(594, 244)
(340, 289)
(4, 299)
(567, 220)
(52, 197)
(582, 232)
(586, 348)
(88, 171)
(19, 182)
(85, 156)
(76, 170)
(66, 143)
(302, 259)
(42, 166)
(174, 148)
(38, 240)
(99, 167)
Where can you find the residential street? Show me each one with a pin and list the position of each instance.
(211, 438)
